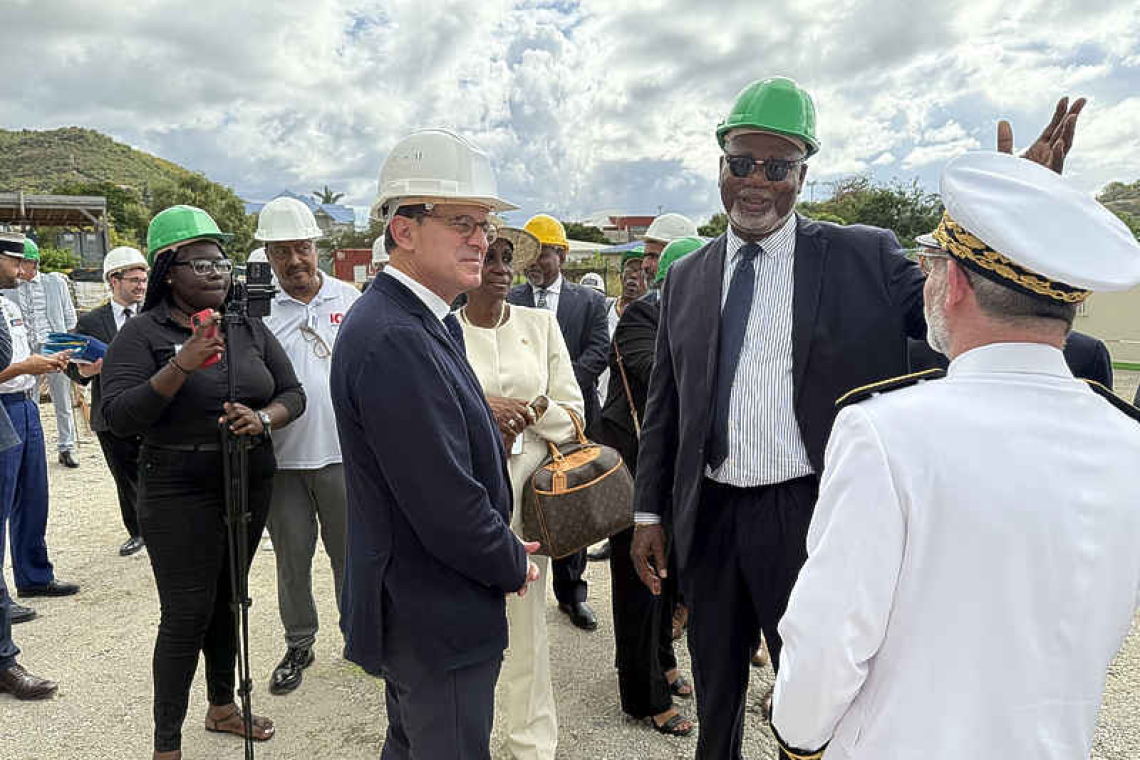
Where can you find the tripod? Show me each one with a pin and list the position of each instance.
(235, 468)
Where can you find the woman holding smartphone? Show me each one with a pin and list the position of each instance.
(162, 381)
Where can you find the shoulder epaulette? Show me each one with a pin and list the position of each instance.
(883, 386)
(1113, 399)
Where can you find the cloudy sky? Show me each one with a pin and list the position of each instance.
(585, 106)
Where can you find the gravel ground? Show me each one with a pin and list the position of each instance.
(98, 646)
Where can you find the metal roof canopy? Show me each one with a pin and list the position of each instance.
(53, 210)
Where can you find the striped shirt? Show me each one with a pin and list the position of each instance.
(764, 442)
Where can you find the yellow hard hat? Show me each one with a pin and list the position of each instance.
(548, 230)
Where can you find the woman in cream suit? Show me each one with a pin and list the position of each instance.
(524, 367)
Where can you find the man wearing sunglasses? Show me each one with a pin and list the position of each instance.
(777, 319)
(125, 270)
(430, 555)
(308, 488)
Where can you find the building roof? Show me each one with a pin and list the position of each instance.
(53, 210)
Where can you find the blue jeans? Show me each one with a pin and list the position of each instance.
(24, 495)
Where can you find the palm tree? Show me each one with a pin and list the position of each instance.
(327, 195)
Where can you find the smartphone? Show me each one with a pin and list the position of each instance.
(199, 318)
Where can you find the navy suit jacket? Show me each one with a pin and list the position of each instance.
(855, 300)
(8, 437)
(582, 318)
(98, 323)
(430, 553)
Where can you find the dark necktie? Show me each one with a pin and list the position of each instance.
(126, 314)
(540, 302)
(733, 326)
(453, 327)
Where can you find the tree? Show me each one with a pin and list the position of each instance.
(715, 226)
(585, 232)
(1132, 220)
(218, 201)
(57, 260)
(1119, 191)
(127, 212)
(907, 209)
(327, 195)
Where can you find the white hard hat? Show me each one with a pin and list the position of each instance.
(593, 280)
(258, 254)
(432, 166)
(123, 257)
(668, 227)
(286, 219)
(379, 252)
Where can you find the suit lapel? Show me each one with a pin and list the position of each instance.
(707, 318)
(109, 322)
(566, 298)
(807, 275)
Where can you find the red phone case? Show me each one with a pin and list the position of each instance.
(198, 319)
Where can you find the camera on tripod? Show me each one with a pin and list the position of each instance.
(253, 297)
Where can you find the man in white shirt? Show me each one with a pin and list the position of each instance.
(23, 467)
(44, 299)
(308, 489)
(972, 565)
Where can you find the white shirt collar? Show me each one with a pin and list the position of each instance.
(436, 305)
(781, 242)
(117, 308)
(1028, 358)
(323, 292)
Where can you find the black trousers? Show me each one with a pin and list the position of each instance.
(122, 455)
(8, 648)
(446, 716)
(182, 516)
(569, 587)
(643, 633)
(749, 546)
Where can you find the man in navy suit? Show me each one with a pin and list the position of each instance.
(430, 552)
(776, 320)
(581, 313)
(125, 271)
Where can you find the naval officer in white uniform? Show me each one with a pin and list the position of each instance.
(972, 562)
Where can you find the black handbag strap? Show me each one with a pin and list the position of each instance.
(628, 393)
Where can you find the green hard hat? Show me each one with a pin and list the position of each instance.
(678, 249)
(631, 254)
(31, 250)
(177, 225)
(777, 105)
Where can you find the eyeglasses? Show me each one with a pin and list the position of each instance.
(465, 225)
(316, 342)
(135, 281)
(925, 257)
(775, 169)
(203, 267)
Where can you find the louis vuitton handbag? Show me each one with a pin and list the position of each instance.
(581, 494)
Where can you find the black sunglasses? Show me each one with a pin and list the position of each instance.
(775, 169)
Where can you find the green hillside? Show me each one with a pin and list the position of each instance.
(40, 162)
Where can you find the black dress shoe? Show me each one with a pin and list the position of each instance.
(602, 554)
(18, 613)
(580, 615)
(67, 459)
(55, 588)
(132, 546)
(23, 685)
(288, 673)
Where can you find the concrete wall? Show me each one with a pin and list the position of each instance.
(1115, 319)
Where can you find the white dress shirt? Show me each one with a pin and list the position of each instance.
(552, 294)
(764, 442)
(972, 568)
(21, 348)
(436, 305)
(118, 310)
(310, 442)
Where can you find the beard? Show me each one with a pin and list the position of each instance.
(937, 336)
(759, 224)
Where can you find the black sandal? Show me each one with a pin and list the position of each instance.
(681, 687)
(225, 725)
(675, 726)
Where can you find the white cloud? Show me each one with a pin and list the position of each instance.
(583, 105)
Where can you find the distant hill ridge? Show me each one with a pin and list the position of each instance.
(40, 161)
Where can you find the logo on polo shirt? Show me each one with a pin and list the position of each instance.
(336, 317)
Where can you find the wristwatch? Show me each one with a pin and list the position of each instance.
(266, 423)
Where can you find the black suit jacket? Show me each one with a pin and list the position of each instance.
(430, 552)
(636, 338)
(1087, 357)
(582, 318)
(98, 323)
(855, 301)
